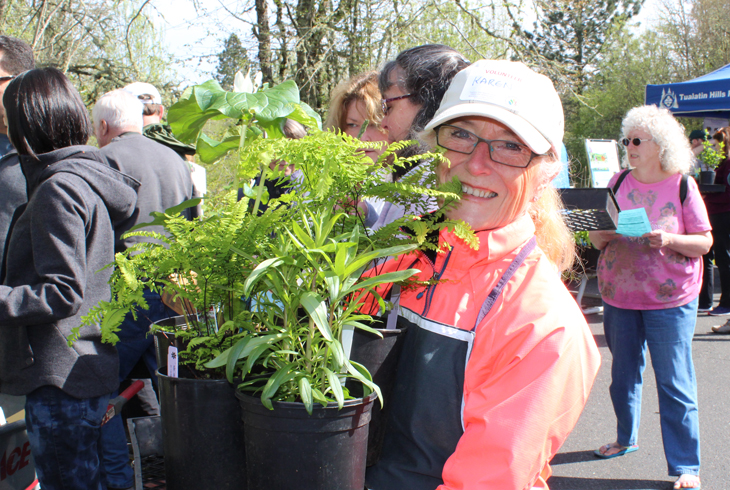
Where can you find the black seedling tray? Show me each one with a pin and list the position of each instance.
(590, 209)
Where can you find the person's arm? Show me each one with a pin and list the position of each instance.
(600, 239)
(58, 244)
(534, 382)
(690, 245)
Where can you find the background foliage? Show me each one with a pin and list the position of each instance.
(597, 55)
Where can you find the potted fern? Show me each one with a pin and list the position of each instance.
(271, 298)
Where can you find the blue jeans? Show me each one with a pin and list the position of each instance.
(668, 334)
(134, 344)
(64, 437)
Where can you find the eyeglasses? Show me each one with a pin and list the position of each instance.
(384, 103)
(7, 78)
(635, 141)
(507, 153)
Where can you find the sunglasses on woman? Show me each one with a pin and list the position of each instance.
(635, 141)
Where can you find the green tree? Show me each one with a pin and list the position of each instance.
(100, 44)
(233, 58)
(571, 34)
(629, 63)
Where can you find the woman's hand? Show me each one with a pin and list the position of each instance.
(659, 238)
(689, 245)
(600, 239)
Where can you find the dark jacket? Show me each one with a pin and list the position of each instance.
(12, 195)
(165, 180)
(55, 274)
(719, 202)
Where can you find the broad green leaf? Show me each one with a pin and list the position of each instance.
(368, 257)
(317, 310)
(222, 359)
(282, 101)
(302, 236)
(345, 252)
(211, 150)
(305, 392)
(338, 353)
(254, 356)
(360, 373)
(262, 268)
(319, 396)
(383, 278)
(332, 281)
(195, 107)
(281, 376)
(336, 386)
(234, 355)
(306, 115)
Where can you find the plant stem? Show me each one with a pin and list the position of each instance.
(260, 189)
(241, 144)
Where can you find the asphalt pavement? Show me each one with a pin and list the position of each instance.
(576, 467)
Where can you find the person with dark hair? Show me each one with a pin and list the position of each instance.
(55, 271)
(718, 207)
(15, 58)
(164, 182)
(412, 87)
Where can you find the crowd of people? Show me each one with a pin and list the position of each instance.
(498, 360)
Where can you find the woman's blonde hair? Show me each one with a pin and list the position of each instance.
(553, 235)
(675, 153)
(360, 88)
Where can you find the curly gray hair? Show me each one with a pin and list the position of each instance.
(675, 154)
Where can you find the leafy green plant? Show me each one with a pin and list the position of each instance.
(277, 291)
(710, 156)
(306, 293)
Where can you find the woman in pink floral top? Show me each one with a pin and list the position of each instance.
(649, 285)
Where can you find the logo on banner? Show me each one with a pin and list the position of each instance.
(669, 99)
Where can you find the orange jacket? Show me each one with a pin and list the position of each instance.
(533, 360)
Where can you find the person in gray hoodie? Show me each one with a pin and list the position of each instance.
(59, 245)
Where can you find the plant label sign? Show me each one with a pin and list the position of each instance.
(172, 362)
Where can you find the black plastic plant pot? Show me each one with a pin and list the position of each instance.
(707, 177)
(166, 338)
(286, 448)
(202, 434)
(380, 356)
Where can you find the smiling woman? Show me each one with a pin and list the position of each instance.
(497, 360)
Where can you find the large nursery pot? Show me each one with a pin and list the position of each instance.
(380, 356)
(202, 434)
(286, 448)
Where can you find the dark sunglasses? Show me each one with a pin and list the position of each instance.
(635, 141)
(7, 78)
(384, 103)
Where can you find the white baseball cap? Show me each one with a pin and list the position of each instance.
(508, 92)
(139, 89)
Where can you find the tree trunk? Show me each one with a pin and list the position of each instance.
(263, 36)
